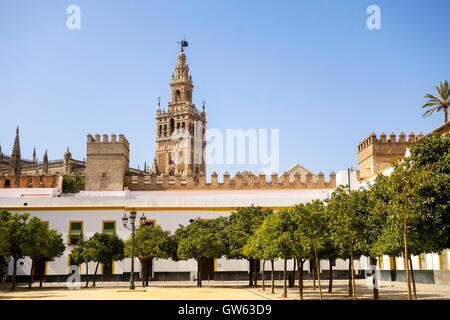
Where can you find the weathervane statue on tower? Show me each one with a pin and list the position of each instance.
(183, 44)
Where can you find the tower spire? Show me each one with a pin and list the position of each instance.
(45, 163)
(14, 165)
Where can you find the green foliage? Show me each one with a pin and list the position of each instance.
(439, 103)
(199, 239)
(73, 184)
(348, 214)
(104, 248)
(41, 243)
(149, 243)
(263, 243)
(239, 227)
(14, 234)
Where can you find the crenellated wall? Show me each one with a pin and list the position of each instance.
(376, 154)
(239, 181)
(107, 162)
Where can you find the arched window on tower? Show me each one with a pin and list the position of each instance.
(177, 95)
(188, 95)
(160, 130)
(165, 130)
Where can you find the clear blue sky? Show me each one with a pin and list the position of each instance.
(309, 68)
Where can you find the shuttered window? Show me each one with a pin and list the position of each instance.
(76, 232)
(109, 228)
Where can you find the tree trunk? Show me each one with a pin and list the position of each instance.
(330, 283)
(263, 270)
(300, 278)
(412, 278)
(293, 270)
(30, 282)
(13, 285)
(350, 290)
(318, 270)
(255, 271)
(87, 274)
(95, 274)
(250, 272)
(285, 279)
(143, 271)
(353, 271)
(373, 262)
(446, 115)
(149, 272)
(199, 274)
(273, 276)
(405, 239)
(313, 267)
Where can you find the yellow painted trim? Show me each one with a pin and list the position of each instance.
(215, 264)
(70, 229)
(45, 270)
(108, 221)
(391, 263)
(123, 208)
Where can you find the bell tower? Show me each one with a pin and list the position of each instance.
(180, 142)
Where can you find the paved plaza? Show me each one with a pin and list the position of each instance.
(217, 290)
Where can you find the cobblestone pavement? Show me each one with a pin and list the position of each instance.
(217, 290)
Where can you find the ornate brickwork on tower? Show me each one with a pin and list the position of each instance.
(180, 143)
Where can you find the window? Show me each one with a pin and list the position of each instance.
(103, 174)
(443, 260)
(7, 183)
(75, 231)
(109, 227)
(148, 223)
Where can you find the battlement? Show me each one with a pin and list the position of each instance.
(247, 181)
(372, 139)
(105, 139)
(377, 153)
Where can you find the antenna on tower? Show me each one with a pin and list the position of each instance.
(183, 44)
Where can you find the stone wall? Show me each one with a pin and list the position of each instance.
(239, 181)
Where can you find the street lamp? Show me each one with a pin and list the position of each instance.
(132, 228)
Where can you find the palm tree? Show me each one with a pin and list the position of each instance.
(438, 103)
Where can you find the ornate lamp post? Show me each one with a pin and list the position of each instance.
(132, 228)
